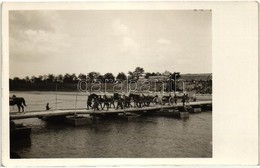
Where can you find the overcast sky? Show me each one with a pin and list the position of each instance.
(59, 42)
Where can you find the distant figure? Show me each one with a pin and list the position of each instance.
(175, 99)
(47, 107)
(183, 99)
(106, 102)
(187, 98)
(119, 103)
(194, 99)
(96, 103)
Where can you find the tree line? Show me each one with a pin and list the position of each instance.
(68, 82)
(73, 78)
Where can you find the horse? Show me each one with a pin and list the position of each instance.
(138, 100)
(124, 100)
(108, 101)
(116, 96)
(91, 97)
(147, 100)
(19, 101)
(127, 101)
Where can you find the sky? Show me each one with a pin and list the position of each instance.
(82, 41)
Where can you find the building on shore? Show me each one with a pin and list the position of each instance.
(196, 83)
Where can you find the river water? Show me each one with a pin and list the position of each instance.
(144, 137)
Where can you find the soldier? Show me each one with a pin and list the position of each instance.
(175, 99)
(183, 99)
(47, 107)
(95, 105)
(106, 102)
(187, 98)
(119, 103)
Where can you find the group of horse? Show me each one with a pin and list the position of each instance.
(97, 102)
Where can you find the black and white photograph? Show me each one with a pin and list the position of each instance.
(145, 82)
(110, 84)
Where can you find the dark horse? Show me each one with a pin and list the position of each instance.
(91, 97)
(98, 100)
(147, 100)
(138, 100)
(124, 101)
(19, 101)
(108, 101)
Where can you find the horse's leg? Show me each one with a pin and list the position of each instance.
(107, 106)
(88, 106)
(101, 106)
(22, 108)
(114, 104)
(18, 107)
(104, 106)
(140, 103)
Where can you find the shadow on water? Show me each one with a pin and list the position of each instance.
(17, 145)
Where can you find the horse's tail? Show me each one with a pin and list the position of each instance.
(23, 102)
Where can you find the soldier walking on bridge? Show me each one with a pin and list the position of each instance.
(187, 98)
(183, 99)
(175, 99)
(96, 103)
(119, 103)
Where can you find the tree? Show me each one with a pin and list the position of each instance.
(109, 77)
(37, 79)
(74, 78)
(100, 78)
(166, 73)
(148, 74)
(50, 78)
(82, 76)
(131, 75)
(121, 76)
(27, 79)
(136, 74)
(59, 78)
(70, 78)
(16, 79)
(158, 74)
(175, 75)
(93, 75)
